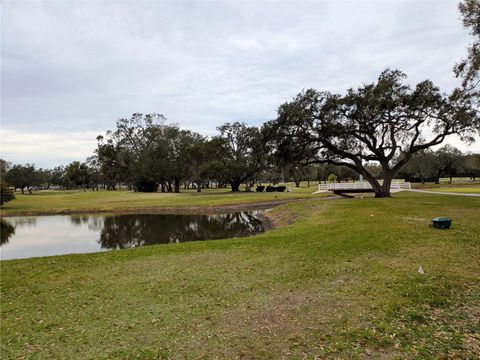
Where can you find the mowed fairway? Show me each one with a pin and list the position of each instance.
(458, 189)
(335, 279)
(56, 202)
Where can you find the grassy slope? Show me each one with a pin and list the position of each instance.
(68, 201)
(312, 286)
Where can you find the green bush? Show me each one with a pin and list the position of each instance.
(260, 188)
(271, 188)
(332, 178)
(6, 193)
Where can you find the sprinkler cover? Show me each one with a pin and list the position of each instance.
(441, 222)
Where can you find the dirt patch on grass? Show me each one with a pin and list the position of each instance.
(300, 323)
(287, 216)
(280, 219)
(280, 324)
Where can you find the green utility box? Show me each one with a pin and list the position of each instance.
(441, 222)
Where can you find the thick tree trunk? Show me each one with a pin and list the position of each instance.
(235, 186)
(177, 185)
(379, 190)
(297, 184)
(387, 182)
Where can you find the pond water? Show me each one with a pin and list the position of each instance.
(32, 236)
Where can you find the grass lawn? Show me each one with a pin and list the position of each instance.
(51, 202)
(460, 185)
(335, 279)
(472, 189)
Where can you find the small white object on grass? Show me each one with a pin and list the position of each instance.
(420, 270)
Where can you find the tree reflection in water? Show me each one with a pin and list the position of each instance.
(6, 231)
(93, 222)
(127, 231)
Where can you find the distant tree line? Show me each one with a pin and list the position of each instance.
(26, 177)
(446, 162)
(199, 166)
(146, 154)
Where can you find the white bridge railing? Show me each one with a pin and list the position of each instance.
(362, 185)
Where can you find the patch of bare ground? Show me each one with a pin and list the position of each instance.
(282, 218)
(303, 323)
(281, 324)
(471, 339)
(415, 220)
(285, 216)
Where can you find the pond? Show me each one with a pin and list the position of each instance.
(32, 236)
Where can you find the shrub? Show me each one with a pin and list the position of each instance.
(6, 193)
(260, 188)
(332, 178)
(271, 188)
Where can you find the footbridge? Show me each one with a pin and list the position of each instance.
(360, 186)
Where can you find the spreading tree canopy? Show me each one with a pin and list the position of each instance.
(23, 177)
(241, 152)
(469, 68)
(385, 122)
(6, 193)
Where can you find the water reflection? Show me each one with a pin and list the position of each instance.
(6, 231)
(53, 235)
(93, 222)
(120, 232)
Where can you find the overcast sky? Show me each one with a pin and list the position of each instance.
(70, 69)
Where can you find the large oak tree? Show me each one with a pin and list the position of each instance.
(241, 153)
(469, 68)
(385, 122)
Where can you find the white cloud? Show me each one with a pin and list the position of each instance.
(76, 67)
(46, 148)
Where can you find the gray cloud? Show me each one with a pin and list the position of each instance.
(70, 69)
